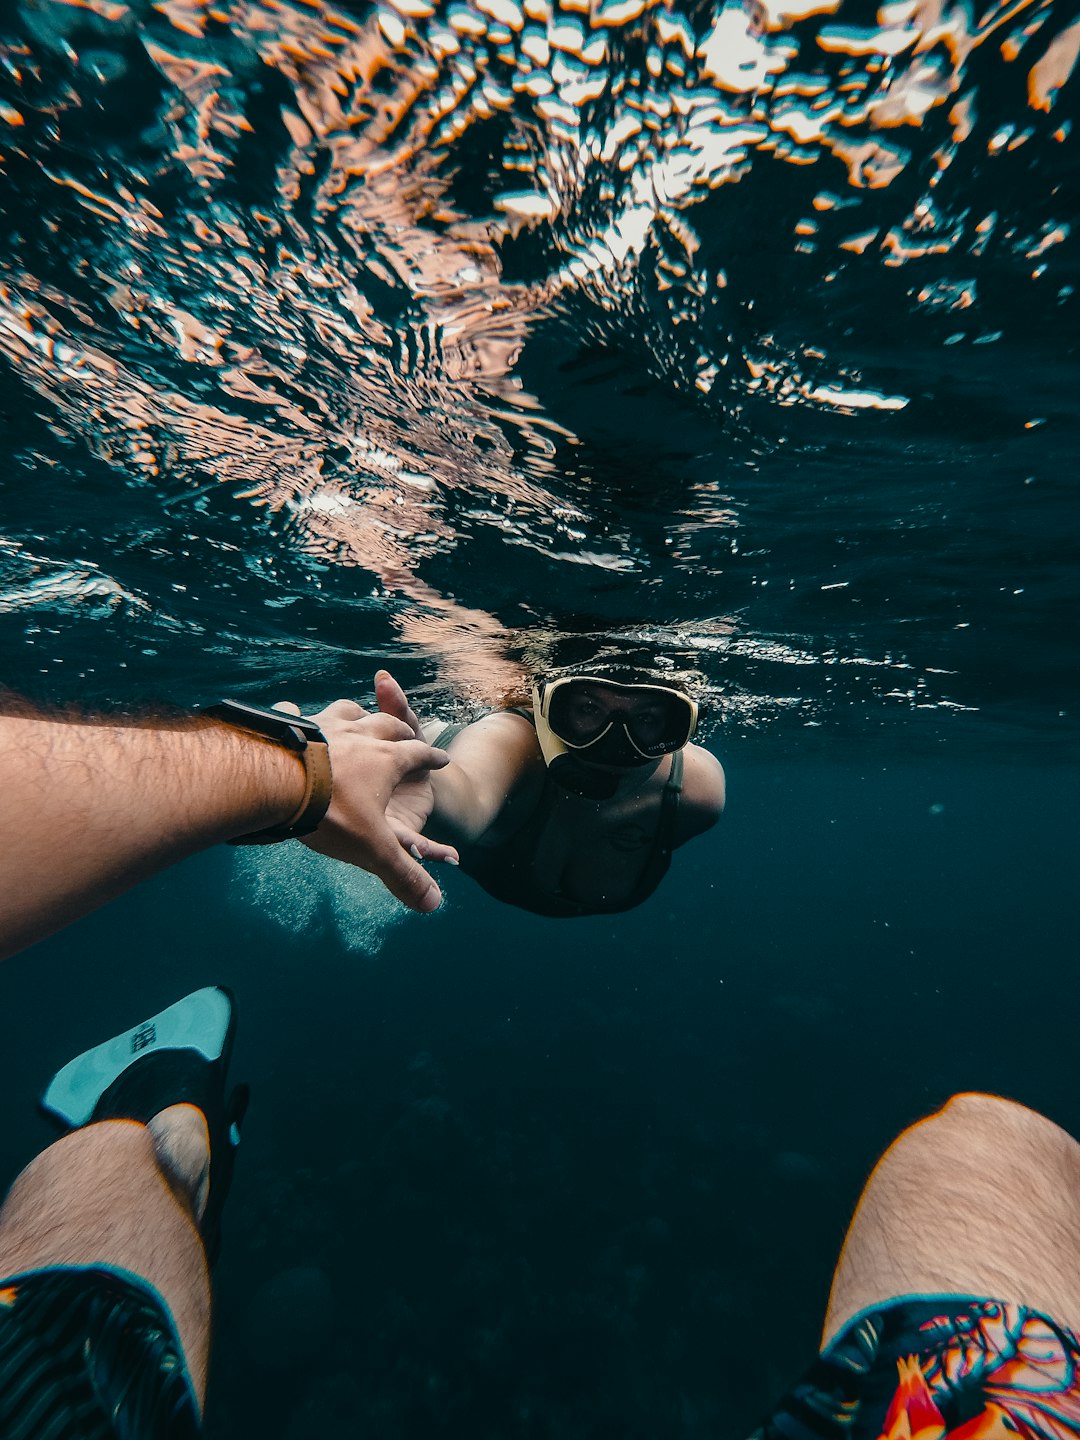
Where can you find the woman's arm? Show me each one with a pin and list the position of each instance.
(489, 761)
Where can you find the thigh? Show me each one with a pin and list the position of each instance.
(955, 1305)
(981, 1199)
(97, 1197)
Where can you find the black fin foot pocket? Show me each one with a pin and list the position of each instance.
(180, 1056)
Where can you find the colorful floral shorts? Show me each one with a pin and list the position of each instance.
(924, 1369)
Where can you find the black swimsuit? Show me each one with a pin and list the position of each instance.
(506, 871)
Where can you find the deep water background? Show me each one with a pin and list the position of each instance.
(591, 1180)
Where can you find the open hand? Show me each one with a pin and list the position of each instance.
(381, 799)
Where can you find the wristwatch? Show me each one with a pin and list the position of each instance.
(304, 738)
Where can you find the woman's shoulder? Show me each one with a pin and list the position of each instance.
(502, 727)
(704, 792)
(515, 722)
(498, 752)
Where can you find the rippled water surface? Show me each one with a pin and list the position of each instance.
(443, 331)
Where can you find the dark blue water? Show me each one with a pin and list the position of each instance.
(594, 1182)
(746, 337)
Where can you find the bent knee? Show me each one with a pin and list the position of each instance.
(974, 1109)
(993, 1116)
(980, 1198)
(987, 1131)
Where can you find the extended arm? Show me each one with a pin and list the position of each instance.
(491, 764)
(90, 808)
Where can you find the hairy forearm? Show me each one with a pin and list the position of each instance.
(89, 808)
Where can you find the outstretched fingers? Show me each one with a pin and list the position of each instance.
(414, 757)
(382, 725)
(405, 877)
(387, 727)
(336, 710)
(422, 847)
(392, 700)
(343, 710)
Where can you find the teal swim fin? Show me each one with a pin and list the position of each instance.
(179, 1056)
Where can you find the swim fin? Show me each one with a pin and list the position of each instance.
(179, 1056)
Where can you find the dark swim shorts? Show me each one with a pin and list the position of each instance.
(90, 1354)
(924, 1369)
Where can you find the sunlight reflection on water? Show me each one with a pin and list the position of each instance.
(333, 268)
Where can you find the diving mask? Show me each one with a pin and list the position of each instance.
(607, 722)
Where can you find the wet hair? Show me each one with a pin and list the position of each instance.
(619, 656)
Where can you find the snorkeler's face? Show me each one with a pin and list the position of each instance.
(591, 707)
(611, 724)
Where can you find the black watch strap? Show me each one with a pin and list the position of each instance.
(304, 738)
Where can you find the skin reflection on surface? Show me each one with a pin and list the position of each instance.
(343, 350)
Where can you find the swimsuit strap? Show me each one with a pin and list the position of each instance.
(664, 843)
(673, 787)
(446, 734)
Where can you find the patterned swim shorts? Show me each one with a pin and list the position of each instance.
(90, 1354)
(926, 1369)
